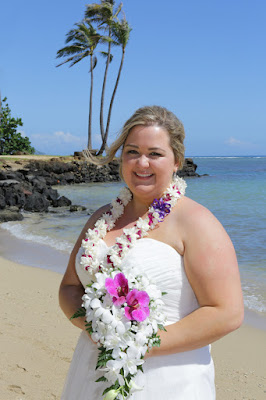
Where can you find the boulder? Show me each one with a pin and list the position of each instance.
(9, 182)
(75, 207)
(2, 201)
(50, 194)
(14, 196)
(61, 202)
(10, 215)
(2, 175)
(189, 169)
(36, 203)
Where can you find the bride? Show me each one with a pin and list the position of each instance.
(187, 254)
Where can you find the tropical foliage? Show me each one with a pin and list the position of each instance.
(101, 25)
(12, 141)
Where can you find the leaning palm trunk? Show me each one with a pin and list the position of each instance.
(103, 87)
(111, 105)
(90, 107)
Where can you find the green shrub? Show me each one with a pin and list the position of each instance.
(12, 141)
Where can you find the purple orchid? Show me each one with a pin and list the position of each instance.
(161, 207)
(118, 288)
(138, 302)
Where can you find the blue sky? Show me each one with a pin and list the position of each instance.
(204, 60)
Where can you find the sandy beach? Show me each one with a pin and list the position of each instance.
(37, 343)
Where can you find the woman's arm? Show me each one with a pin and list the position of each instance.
(212, 270)
(71, 290)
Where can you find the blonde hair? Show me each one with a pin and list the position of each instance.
(149, 116)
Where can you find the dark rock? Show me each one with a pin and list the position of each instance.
(76, 208)
(9, 182)
(189, 169)
(38, 185)
(2, 175)
(36, 203)
(69, 177)
(78, 154)
(61, 202)
(2, 201)
(14, 175)
(50, 194)
(10, 215)
(14, 196)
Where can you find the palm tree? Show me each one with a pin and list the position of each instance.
(84, 40)
(104, 14)
(120, 34)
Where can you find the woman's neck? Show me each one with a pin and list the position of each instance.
(137, 208)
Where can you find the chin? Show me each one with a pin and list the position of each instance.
(147, 192)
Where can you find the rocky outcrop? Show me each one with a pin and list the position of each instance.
(29, 186)
(57, 172)
(189, 169)
(10, 214)
(25, 191)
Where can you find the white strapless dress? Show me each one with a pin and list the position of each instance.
(182, 376)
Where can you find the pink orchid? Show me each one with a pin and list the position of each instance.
(138, 302)
(118, 288)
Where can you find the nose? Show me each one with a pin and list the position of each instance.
(143, 161)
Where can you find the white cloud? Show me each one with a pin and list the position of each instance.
(238, 143)
(67, 137)
(58, 143)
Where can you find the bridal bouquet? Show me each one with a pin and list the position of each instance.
(123, 319)
(122, 307)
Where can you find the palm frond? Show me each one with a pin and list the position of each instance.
(75, 58)
(66, 51)
(121, 32)
(82, 40)
(94, 63)
(81, 57)
(105, 55)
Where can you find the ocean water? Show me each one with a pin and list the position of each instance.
(234, 190)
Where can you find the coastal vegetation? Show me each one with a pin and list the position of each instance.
(101, 25)
(12, 141)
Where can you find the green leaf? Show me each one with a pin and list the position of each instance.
(101, 379)
(113, 387)
(103, 356)
(161, 327)
(81, 312)
(140, 368)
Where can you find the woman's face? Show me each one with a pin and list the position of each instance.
(148, 162)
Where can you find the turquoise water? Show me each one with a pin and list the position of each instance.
(234, 191)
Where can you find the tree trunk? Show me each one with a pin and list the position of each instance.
(103, 87)
(111, 105)
(90, 106)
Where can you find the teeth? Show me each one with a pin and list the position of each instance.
(143, 175)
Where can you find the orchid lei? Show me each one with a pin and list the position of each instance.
(122, 307)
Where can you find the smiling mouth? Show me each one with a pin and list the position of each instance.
(143, 175)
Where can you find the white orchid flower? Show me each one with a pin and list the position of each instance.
(134, 387)
(111, 395)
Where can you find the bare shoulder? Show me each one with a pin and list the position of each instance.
(198, 222)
